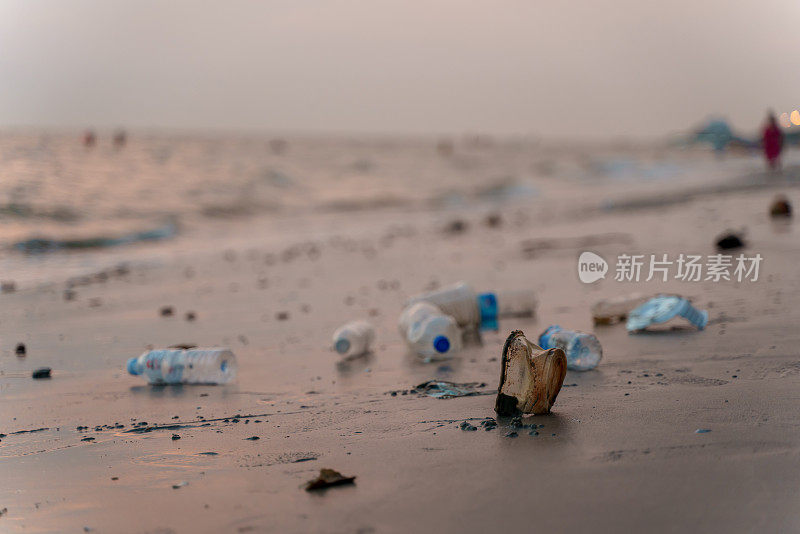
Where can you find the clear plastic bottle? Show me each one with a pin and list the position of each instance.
(354, 338)
(429, 332)
(472, 310)
(616, 309)
(185, 366)
(583, 350)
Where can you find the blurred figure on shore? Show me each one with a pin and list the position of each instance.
(772, 142)
(120, 138)
(89, 138)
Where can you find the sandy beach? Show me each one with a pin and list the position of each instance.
(92, 448)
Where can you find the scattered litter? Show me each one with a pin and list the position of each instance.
(252, 438)
(729, 241)
(328, 478)
(182, 366)
(661, 309)
(20, 350)
(42, 372)
(180, 485)
(354, 338)
(583, 350)
(428, 332)
(305, 459)
(87, 439)
(441, 389)
(473, 310)
(616, 309)
(530, 377)
(702, 431)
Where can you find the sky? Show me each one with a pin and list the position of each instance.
(584, 68)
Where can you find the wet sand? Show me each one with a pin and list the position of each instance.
(618, 453)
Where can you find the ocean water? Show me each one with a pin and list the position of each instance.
(67, 208)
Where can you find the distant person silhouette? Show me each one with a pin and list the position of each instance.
(772, 142)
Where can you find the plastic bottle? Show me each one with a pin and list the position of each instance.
(353, 338)
(429, 332)
(471, 309)
(661, 309)
(583, 350)
(615, 309)
(185, 366)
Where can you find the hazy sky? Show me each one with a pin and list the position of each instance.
(550, 68)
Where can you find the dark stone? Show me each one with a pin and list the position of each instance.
(20, 350)
(729, 241)
(42, 372)
(506, 405)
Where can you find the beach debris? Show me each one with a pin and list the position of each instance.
(441, 389)
(328, 478)
(39, 245)
(489, 424)
(455, 227)
(8, 286)
(473, 310)
(282, 316)
(730, 240)
(616, 309)
(180, 485)
(42, 372)
(89, 438)
(252, 438)
(512, 434)
(467, 426)
(175, 437)
(428, 332)
(702, 431)
(20, 349)
(583, 350)
(3, 512)
(530, 377)
(184, 346)
(780, 207)
(493, 220)
(663, 308)
(166, 311)
(354, 338)
(190, 316)
(215, 365)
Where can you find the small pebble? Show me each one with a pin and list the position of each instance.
(167, 311)
(252, 438)
(175, 436)
(20, 350)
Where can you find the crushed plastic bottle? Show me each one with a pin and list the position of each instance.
(583, 350)
(472, 310)
(185, 366)
(616, 309)
(354, 338)
(429, 332)
(661, 309)
(530, 377)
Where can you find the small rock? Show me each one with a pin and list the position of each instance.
(780, 207)
(175, 436)
(88, 439)
(512, 435)
(282, 316)
(167, 311)
(252, 438)
(457, 226)
(493, 220)
(191, 316)
(467, 427)
(328, 478)
(20, 350)
(42, 372)
(8, 286)
(729, 241)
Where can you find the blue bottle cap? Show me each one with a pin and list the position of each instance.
(487, 305)
(544, 339)
(441, 344)
(342, 345)
(133, 366)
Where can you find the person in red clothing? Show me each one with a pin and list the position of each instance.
(772, 142)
